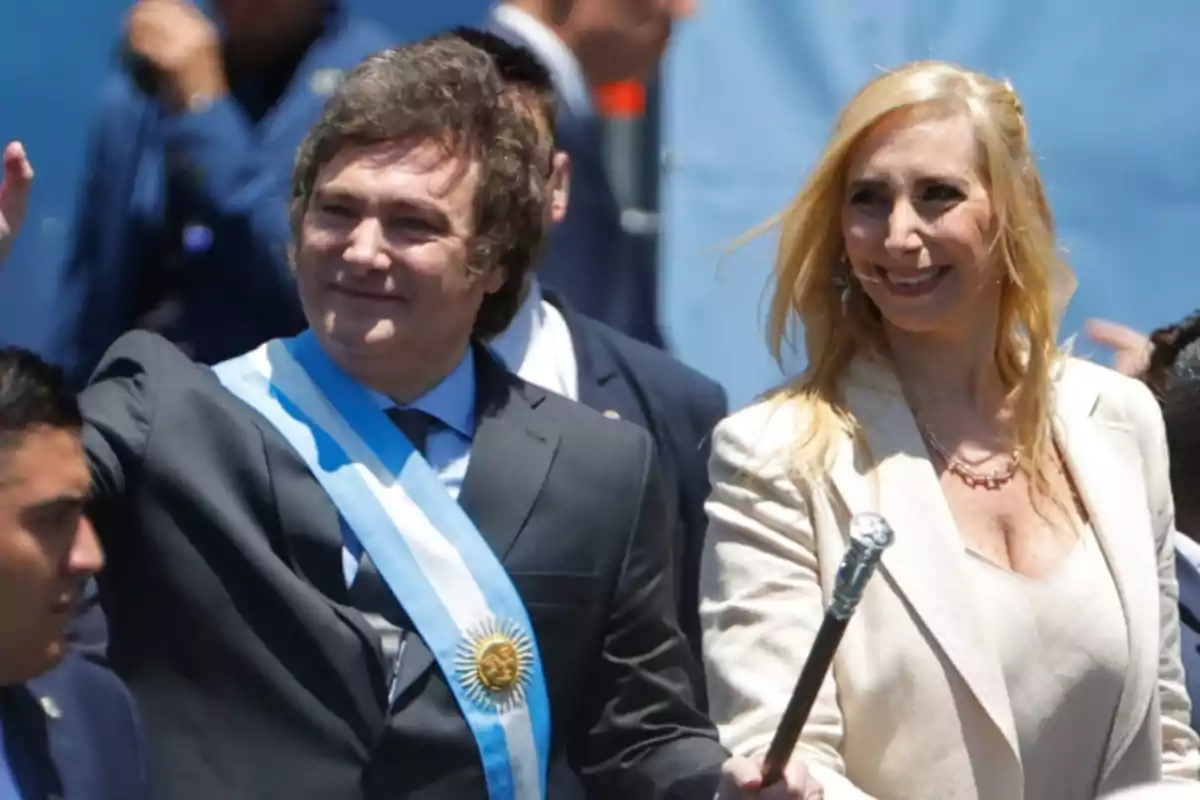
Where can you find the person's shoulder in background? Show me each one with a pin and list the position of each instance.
(700, 398)
(91, 731)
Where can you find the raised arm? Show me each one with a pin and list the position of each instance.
(14, 194)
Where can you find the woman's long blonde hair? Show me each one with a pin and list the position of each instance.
(839, 320)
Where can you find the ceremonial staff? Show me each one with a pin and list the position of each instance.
(870, 535)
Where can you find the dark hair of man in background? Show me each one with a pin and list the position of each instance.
(529, 84)
(439, 99)
(1174, 377)
(32, 394)
(520, 69)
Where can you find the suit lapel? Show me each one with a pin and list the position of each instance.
(508, 431)
(313, 551)
(510, 456)
(926, 564)
(598, 373)
(30, 743)
(1105, 461)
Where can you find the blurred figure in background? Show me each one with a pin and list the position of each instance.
(182, 226)
(586, 44)
(1173, 373)
(1023, 485)
(1131, 348)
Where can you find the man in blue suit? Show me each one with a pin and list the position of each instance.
(585, 44)
(183, 223)
(552, 344)
(67, 727)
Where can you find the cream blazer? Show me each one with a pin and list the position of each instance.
(916, 706)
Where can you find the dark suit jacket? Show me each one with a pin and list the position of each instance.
(679, 407)
(589, 258)
(1189, 629)
(230, 617)
(73, 733)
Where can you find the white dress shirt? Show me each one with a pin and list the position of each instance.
(537, 347)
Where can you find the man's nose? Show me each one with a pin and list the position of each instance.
(86, 556)
(366, 245)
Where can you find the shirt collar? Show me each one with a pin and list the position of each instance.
(511, 344)
(451, 402)
(563, 65)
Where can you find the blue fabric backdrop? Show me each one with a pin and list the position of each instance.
(53, 56)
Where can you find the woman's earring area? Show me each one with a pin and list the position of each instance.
(841, 281)
(841, 273)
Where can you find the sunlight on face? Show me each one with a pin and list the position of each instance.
(381, 261)
(917, 223)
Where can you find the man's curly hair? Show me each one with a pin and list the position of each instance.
(444, 89)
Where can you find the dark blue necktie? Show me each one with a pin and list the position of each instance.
(414, 424)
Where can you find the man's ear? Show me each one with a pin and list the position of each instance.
(559, 186)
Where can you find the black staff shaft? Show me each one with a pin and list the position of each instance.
(816, 667)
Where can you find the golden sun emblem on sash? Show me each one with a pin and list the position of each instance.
(494, 664)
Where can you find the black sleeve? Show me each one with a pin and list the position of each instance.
(641, 734)
(708, 407)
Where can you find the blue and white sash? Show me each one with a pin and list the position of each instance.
(425, 547)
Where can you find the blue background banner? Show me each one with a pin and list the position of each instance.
(54, 55)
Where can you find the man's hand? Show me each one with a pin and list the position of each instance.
(183, 47)
(14, 194)
(1131, 349)
(741, 779)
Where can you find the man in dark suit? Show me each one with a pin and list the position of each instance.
(368, 561)
(586, 44)
(551, 344)
(67, 727)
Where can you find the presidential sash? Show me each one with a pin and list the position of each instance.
(425, 547)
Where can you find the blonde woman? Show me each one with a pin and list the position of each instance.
(1021, 638)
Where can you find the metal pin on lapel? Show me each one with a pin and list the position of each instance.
(612, 414)
(50, 707)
